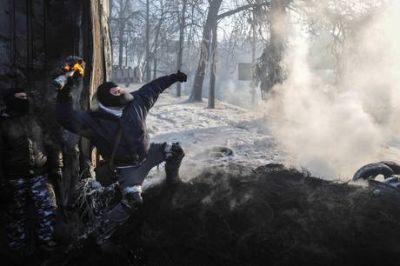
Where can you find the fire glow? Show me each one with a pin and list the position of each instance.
(77, 67)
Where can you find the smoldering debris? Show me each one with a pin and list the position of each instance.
(271, 215)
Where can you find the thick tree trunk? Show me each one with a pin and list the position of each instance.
(182, 25)
(155, 45)
(213, 72)
(106, 6)
(120, 45)
(147, 64)
(211, 21)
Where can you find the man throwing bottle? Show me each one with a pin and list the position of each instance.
(118, 131)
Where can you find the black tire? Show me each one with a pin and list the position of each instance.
(372, 170)
(394, 166)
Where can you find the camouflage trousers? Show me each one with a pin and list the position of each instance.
(40, 191)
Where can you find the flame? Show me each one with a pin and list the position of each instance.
(76, 67)
(67, 68)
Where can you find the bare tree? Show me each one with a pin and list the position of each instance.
(147, 66)
(121, 13)
(210, 23)
(211, 94)
(182, 25)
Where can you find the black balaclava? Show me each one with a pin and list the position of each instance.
(16, 105)
(107, 99)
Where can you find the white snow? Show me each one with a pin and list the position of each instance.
(199, 129)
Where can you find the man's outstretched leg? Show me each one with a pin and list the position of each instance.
(131, 179)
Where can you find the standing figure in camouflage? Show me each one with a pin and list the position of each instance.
(28, 160)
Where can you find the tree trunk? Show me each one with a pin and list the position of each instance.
(147, 65)
(182, 25)
(211, 95)
(155, 67)
(155, 45)
(120, 45)
(253, 56)
(211, 21)
(126, 53)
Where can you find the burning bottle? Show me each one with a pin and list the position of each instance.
(74, 67)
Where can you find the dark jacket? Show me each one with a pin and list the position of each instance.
(25, 149)
(101, 127)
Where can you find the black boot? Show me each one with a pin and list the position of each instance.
(111, 221)
(118, 215)
(174, 157)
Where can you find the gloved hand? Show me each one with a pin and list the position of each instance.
(182, 77)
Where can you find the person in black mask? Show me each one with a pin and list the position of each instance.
(118, 131)
(17, 102)
(29, 158)
(111, 95)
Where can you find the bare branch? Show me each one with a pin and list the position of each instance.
(240, 9)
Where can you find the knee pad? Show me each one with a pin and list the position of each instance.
(132, 196)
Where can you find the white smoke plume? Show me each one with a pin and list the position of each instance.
(333, 128)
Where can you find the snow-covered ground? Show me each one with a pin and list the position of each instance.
(248, 133)
(200, 129)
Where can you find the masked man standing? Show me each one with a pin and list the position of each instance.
(28, 159)
(134, 155)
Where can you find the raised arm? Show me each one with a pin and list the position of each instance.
(77, 122)
(148, 94)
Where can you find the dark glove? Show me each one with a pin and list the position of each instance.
(182, 77)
